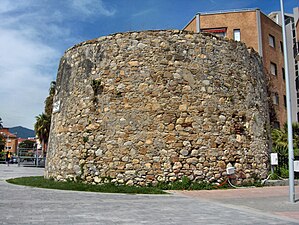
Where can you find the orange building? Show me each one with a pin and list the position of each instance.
(11, 140)
(264, 35)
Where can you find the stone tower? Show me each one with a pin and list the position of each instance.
(152, 106)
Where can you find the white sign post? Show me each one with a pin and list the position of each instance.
(296, 166)
(56, 106)
(274, 159)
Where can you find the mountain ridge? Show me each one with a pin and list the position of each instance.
(22, 132)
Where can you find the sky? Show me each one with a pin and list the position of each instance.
(34, 34)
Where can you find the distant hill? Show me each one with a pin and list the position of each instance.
(22, 132)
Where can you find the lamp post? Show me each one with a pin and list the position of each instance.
(289, 111)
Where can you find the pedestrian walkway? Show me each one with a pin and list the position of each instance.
(13, 170)
(272, 200)
(27, 205)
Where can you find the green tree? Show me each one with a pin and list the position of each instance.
(27, 144)
(2, 138)
(42, 129)
(43, 121)
(280, 144)
(49, 99)
(1, 126)
(2, 142)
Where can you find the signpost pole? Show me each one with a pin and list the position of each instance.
(289, 110)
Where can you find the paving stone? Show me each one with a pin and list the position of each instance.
(27, 205)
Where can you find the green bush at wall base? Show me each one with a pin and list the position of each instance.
(187, 184)
(41, 182)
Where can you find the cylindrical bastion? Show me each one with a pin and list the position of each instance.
(144, 107)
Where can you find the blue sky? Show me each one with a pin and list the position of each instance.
(35, 33)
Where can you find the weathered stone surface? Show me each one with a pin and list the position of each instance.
(154, 106)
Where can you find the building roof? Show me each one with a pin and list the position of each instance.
(222, 12)
(228, 11)
(5, 132)
(270, 16)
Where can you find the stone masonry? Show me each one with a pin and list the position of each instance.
(144, 107)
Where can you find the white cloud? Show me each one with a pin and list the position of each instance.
(8, 5)
(91, 7)
(19, 50)
(24, 76)
(227, 5)
(143, 13)
(27, 63)
(33, 36)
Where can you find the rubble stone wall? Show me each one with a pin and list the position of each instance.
(144, 107)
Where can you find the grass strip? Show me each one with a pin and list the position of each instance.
(184, 184)
(41, 182)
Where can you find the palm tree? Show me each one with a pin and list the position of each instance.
(280, 140)
(43, 121)
(1, 126)
(49, 99)
(280, 143)
(42, 129)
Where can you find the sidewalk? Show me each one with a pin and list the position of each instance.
(27, 205)
(272, 200)
(13, 170)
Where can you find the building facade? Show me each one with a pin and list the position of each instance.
(264, 35)
(296, 13)
(11, 140)
(292, 36)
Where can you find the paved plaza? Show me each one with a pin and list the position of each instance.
(27, 205)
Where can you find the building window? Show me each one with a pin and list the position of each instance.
(275, 99)
(220, 32)
(271, 41)
(297, 86)
(237, 35)
(276, 125)
(273, 68)
(281, 47)
(285, 101)
(283, 74)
